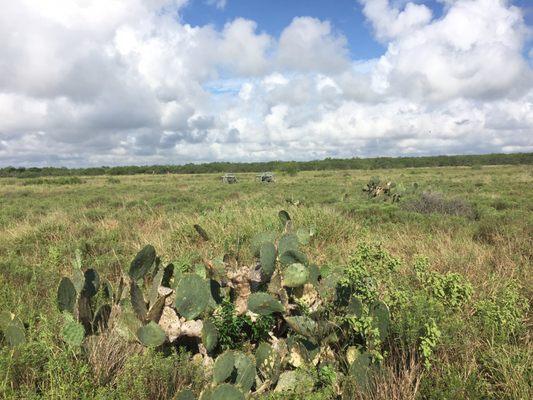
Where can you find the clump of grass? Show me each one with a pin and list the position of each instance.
(501, 205)
(429, 203)
(489, 231)
(151, 375)
(397, 379)
(107, 354)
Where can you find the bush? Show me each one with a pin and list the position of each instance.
(451, 289)
(502, 315)
(429, 203)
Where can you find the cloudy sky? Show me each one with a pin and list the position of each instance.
(113, 82)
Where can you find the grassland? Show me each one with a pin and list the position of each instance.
(484, 351)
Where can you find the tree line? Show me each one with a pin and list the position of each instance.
(282, 166)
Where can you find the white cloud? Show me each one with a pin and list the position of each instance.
(309, 44)
(474, 50)
(92, 82)
(389, 22)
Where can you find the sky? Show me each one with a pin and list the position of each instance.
(135, 82)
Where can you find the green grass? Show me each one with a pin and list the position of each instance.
(484, 350)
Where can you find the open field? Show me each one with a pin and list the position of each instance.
(484, 348)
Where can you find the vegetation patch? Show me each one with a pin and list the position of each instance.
(430, 202)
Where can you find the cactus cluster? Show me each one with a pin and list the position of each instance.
(85, 302)
(314, 322)
(375, 188)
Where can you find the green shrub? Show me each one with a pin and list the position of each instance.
(411, 316)
(451, 288)
(502, 315)
(235, 330)
(368, 266)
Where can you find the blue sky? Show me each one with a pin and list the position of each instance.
(272, 16)
(99, 82)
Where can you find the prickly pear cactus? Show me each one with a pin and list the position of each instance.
(264, 304)
(360, 369)
(223, 367)
(245, 366)
(286, 301)
(151, 335)
(226, 392)
(209, 335)
(381, 316)
(66, 295)
(295, 275)
(185, 394)
(267, 256)
(192, 296)
(12, 329)
(73, 332)
(142, 262)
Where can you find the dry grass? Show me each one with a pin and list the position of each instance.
(397, 379)
(107, 354)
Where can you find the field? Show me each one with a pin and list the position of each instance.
(459, 297)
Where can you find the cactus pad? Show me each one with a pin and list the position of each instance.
(245, 366)
(13, 330)
(381, 315)
(142, 262)
(66, 295)
(151, 335)
(137, 301)
(295, 275)
(287, 242)
(192, 296)
(264, 304)
(185, 394)
(267, 256)
(73, 332)
(223, 367)
(203, 234)
(292, 257)
(226, 392)
(304, 326)
(209, 335)
(360, 369)
(355, 307)
(92, 282)
(284, 217)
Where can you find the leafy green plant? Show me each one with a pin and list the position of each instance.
(502, 314)
(429, 341)
(451, 288)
